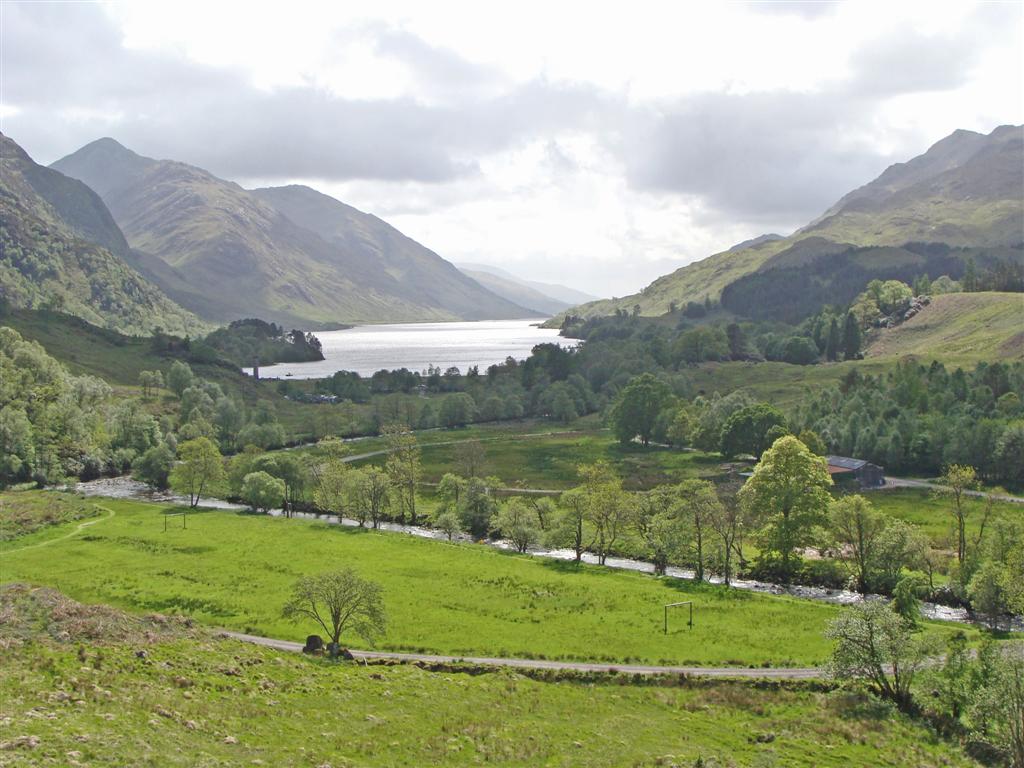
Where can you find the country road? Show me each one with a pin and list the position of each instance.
(910, 482)
(777, 673)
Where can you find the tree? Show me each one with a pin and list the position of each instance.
(813, 441)
(607, 507)
(457, 410)
(262, 491)
(788, 496)
(179, 377)
(703, 343)
(154, 466)
(199, 465)
(227, 420)
(476, 508)
(1010, 454)
(667, 537)
(834, 342)
(729, 523)
(988, 591)
(150, 381)
(746, 430)
(851, 337)
(290, 470)
(403, 468)
(906, 600)
(856, 529)
(698, 504)
(470, 457)
(956, 481)
(369, 495)
(338, 601)
(330, 477)
(569, 529)
(448, 522)
(875, 644)
(638, 407)
(999, 705)
(969, 282)
(517, 523)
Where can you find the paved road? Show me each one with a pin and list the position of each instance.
(785, 673)
(910, 482)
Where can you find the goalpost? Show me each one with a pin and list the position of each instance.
(184, 518)
(679, 605)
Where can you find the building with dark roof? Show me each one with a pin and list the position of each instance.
(847, 471)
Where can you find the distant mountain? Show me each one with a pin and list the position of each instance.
(561, 293)
(515, 290)
(61, 249)
(288, 254)
(967, 190)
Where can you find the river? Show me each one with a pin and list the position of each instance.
(127, 488)
(367, 349)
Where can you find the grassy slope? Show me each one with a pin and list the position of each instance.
(235, 570)
(199, 701)
(961, 327)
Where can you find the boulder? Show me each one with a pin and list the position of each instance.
(314, 644)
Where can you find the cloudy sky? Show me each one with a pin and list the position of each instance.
(597, 148)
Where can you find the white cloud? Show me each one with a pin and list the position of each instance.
(592, 144)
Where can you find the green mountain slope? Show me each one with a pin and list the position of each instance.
(967, 327)
(966, 190)
(227, 253)
(62, 249)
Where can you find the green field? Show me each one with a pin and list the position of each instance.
(550, 461)
(234, 570)
(194, 700)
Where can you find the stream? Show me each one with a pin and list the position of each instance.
(127, 488)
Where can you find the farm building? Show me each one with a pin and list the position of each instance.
(845, 470)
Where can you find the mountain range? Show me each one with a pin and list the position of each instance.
(61, 249)
(966, 193)
(290, 255)
(546, 298)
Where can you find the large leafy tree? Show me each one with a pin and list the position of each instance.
(788, 496)
(747, 430)
(339, 601)
(636, 412)
(199, 466)
(403, 468)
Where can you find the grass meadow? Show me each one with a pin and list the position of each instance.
(90, 687)
(234, 570)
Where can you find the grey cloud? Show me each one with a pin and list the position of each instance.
(57, 63)
(764, 157)
(908, 62)
(808, 9)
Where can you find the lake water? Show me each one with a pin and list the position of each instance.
(367, 349)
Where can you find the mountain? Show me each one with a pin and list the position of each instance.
(566, 295)
(424, 277)
(62, 249)
(228, 253)
(515, 290)
(967, 190)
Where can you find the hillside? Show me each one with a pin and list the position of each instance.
(62, 249)
(966, 327)
(420, 275)
(966, 190)
(227, 253)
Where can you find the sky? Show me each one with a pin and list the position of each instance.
(597, 145)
